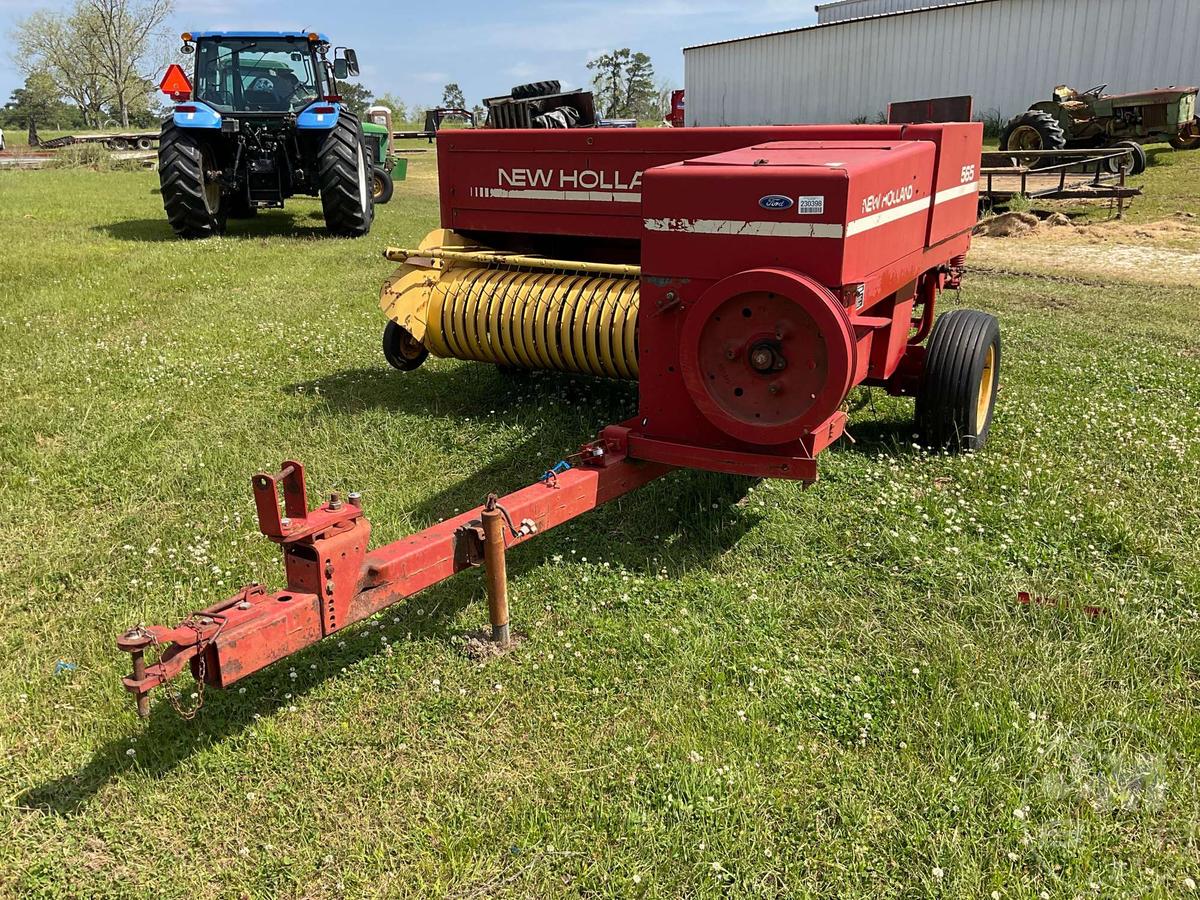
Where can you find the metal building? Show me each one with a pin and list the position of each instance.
(841, 10)
(1006, 53)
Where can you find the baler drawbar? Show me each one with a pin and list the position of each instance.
(747, 278)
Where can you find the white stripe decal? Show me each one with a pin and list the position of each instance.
(604, 196)
(858, 226)
(755, 229)
(954, 193)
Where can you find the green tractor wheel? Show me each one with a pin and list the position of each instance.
(1182, 143)
(1033, 130)
(1137, 166)
(381, 185)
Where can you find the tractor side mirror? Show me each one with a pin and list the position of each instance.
(341, 69)
(352, 62)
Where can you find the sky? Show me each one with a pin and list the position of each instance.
(412, 50)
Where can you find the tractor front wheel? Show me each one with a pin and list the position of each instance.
(1186, 143)
(958, 388)
(190, 195)
(1139, 162)
(344, 175)
(381, 185)
(401, 349)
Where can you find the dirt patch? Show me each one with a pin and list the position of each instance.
(479, 646)
(1163, 252)
(1008, 224)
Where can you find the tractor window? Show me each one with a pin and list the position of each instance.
(257, 74)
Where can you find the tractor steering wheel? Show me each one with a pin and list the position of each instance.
(301, 94)
(1097, 90)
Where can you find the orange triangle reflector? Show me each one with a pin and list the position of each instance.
(175, 81)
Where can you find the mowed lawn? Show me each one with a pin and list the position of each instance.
(726, 687)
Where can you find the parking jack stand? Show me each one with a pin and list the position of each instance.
(496, 567)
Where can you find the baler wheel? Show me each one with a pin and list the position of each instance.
(401, 349)
(536, 89)
(344, 174)
(191, 196)
(958, 390)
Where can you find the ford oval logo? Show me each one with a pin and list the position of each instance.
(776, 201)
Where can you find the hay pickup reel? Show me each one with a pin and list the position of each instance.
(747, 278)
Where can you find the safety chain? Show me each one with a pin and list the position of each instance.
(185, 713)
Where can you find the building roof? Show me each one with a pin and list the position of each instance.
(934, 6)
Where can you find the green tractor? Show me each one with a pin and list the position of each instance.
(1094, 119)
(387, 166)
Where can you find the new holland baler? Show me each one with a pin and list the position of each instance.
(746, 278)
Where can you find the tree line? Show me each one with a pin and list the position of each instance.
(97, 64)
(100, 56)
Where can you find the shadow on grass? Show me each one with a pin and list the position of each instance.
(270, 224)
(684, 520)
(467, 388)
(631, 531)
(878, 437)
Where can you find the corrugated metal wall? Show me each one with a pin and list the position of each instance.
(1007, 53)
(855, 9)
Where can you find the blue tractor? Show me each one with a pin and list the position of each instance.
(261, 120)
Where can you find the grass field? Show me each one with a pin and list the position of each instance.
(727, 688)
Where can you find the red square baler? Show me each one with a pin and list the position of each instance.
(747, 278)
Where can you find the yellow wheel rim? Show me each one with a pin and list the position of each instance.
(376, 186)
(986, 385)
(1025, 137)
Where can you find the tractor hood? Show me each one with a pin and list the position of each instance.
(1157, 95)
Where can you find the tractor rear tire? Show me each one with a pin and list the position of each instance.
(194, 203)
(536, 89)
(401, 349)
(344, 176)
(1033, 130)
(382, 187)
(958, 388)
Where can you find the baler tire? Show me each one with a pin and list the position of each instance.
(1050, 133)
(401, 349)
(958, 387)
(187, 194)
(344, 178)
(536, 89)
(382, 186)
